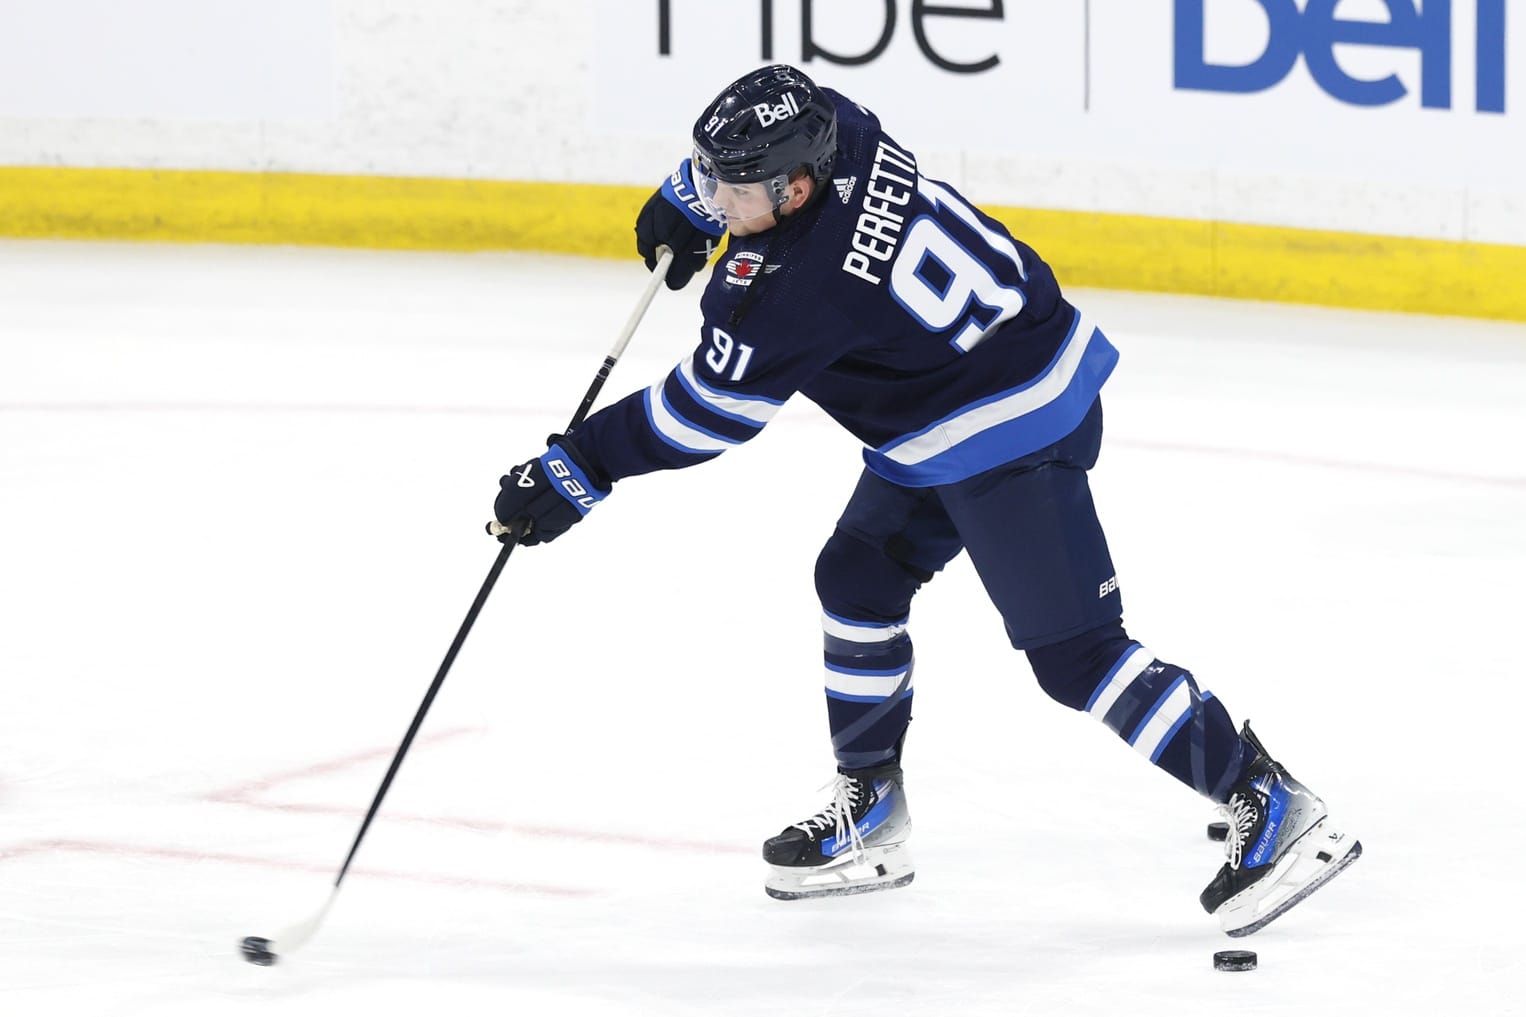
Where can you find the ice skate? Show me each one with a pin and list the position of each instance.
(857, 844)
(1280, 847)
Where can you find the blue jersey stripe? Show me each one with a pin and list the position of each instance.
(1005, 438)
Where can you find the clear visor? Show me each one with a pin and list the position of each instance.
(738, 203)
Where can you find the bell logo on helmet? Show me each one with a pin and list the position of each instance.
(773, 114)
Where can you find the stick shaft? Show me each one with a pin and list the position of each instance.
(658, 274)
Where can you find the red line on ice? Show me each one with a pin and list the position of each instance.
(240, 793)
(187, 855)
(494, 826)
(243, 794)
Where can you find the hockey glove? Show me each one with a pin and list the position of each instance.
(543, 498)
(674, 217)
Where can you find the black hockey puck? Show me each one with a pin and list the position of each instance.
(1218, 831)
(257, 951)
(1234, 960)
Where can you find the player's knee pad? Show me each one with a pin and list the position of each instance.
(857, 581)
(1070, 670)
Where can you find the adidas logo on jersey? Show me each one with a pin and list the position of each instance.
(844, 187)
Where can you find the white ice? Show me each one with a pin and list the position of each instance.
(242, 494)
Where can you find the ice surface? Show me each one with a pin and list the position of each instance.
(242, 494)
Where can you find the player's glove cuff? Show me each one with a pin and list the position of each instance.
(571, 478)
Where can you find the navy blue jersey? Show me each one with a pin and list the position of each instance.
(913, 319)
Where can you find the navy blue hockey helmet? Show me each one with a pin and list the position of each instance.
(762, 128)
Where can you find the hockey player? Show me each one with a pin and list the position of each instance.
(927, 331)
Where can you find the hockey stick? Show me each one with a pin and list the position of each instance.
(258, 950)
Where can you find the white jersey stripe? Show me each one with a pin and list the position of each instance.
(679, 432)
(751, 411)
(1049, 386)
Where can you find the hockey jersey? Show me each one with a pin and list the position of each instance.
(913, 319)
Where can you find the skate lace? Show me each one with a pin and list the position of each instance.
(838, 815)
(1240, 813)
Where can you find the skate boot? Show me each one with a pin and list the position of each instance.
(857, 844)
(1280, 847)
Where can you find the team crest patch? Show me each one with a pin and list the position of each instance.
(742, 267)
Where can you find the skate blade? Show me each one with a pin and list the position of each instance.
(884, 869)
(1242, 915)
(839, 890)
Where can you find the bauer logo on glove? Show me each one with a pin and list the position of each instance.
(543, 498)
(571, 486)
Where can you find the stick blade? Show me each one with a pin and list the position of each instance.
(265, 952)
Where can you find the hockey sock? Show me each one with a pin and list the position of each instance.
(865, 595)
(868, 685)
(1153, 705)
